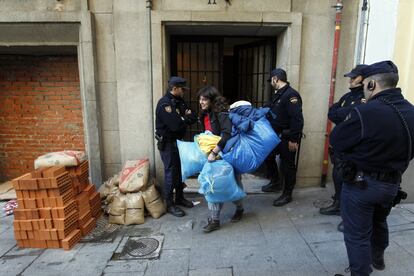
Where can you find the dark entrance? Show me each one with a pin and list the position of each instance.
(238, 66)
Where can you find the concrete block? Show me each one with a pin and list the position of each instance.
(211, 272)
(40, 5)
(108, 106)
(135, 266)
(135, 145)
(311, 155)
(110, 170)
(169, 262)
(111, 152)
(222, 16)
(103, 24)
(315, 98)
(87, 71)
(101, 6)
(105, 59)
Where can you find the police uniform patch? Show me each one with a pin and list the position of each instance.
(363, 100)
(294, 100)
(168, 109)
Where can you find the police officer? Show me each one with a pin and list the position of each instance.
(337, 114)
(375, 140)
(286, 104)
(172, 118)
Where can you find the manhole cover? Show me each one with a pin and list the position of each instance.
(103, 232)
(139, 248)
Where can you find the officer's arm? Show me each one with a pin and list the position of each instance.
(190, 118)
(336, 112)
(295, 119)
(226, 127)
(348, 134)
(171, 118)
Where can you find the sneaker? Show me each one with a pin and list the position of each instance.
(211, 226)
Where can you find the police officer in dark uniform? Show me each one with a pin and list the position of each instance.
(172, 118)
(375, 140)
(337, 114)
(286, 104)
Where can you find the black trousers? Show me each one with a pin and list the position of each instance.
(336, 174)
(172, 172)
(287, 165)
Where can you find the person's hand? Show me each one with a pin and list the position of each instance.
(211, 157)
(293, 146)
(188, 112)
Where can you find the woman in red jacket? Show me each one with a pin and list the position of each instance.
(215, 118)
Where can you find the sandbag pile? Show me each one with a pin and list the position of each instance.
(131, 193)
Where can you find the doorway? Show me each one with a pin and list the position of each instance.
(238, 66)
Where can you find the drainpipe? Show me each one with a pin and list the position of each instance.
(338, 7)
(150, 65)
(362, 33)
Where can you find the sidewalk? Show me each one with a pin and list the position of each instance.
(291, 240)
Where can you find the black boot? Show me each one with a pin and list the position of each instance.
(211, 226)
(331, 210)
(237, 215)
(180, 200)
(174, 210)
(378, 260)
(273, 186)
(284, 199)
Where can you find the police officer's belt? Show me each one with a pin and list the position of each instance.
(390, 177)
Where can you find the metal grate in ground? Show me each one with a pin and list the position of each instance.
(135, 248)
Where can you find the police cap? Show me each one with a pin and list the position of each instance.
(357, 71)
(381, 67)
(279, 73)
(177, 81)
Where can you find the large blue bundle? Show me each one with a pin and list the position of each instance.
(218, 184)
(253, 138)
(192, 159)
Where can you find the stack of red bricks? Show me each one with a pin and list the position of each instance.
(53, 211)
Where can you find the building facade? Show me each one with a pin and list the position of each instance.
(126, 50)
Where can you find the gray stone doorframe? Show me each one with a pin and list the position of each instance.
(288, 25)
(64, 29)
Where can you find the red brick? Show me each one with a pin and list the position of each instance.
(53, 244)
(30, 203)
(71, 240)
(53, 171)
(45, 213)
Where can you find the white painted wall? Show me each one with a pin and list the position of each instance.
(381, 30)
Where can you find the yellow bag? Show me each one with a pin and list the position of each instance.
(207, 142)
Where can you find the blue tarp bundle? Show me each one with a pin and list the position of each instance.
(252, 139)
(218, 184)
(192, 159)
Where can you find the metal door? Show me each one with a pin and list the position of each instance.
(254, 63)
(199, 60)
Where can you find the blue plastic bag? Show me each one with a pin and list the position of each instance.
(192, 159)
(218, 184)
(246, 151)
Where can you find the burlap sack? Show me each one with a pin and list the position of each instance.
(134, 176)
(117, 209)
(134, 209)
(153, 202)
(66, 158)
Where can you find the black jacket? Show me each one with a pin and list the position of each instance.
(220, 125)
(373, 136)
(170, 119)
(338, 111)
(286, 104)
